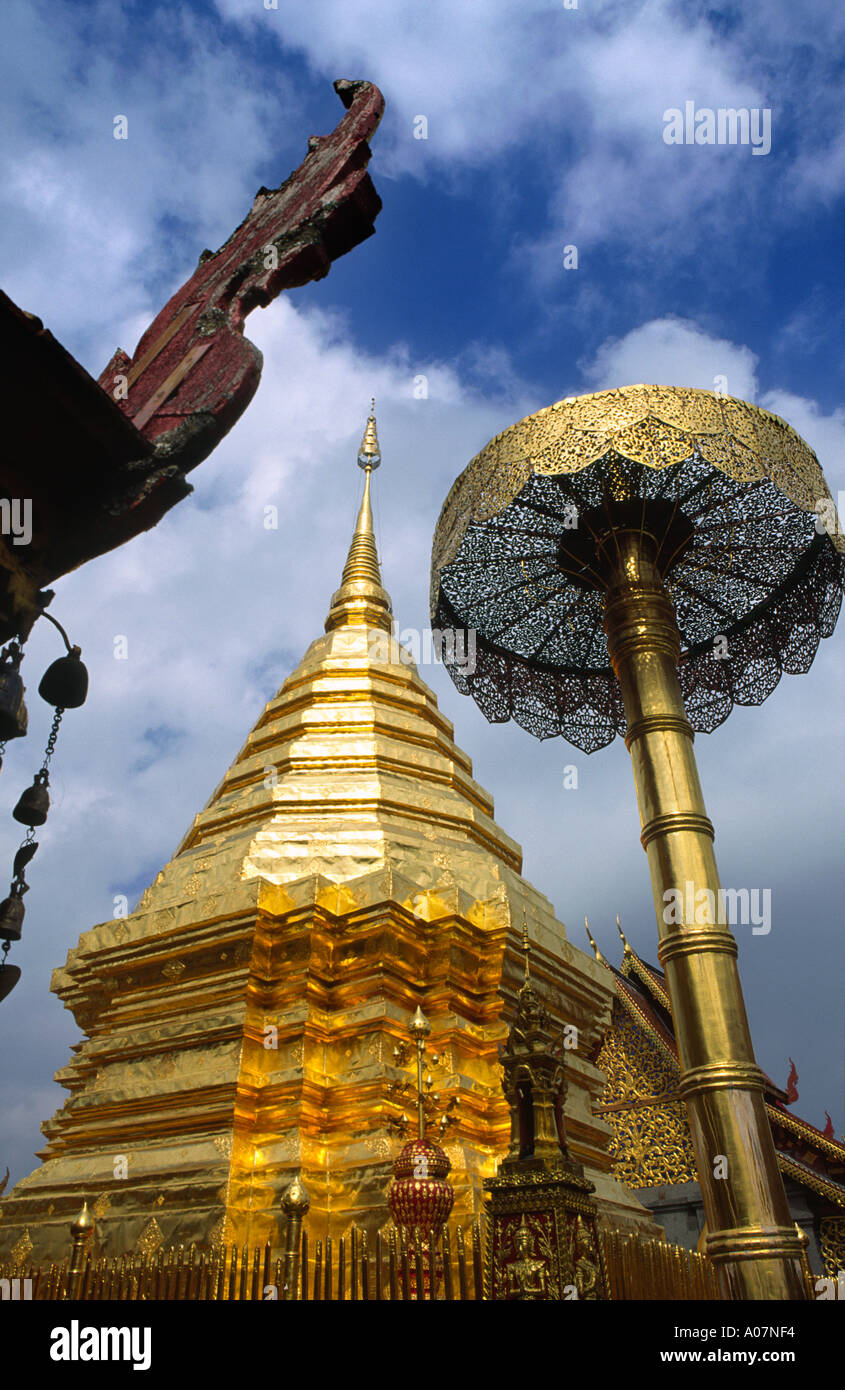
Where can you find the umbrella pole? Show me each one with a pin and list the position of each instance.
(751, 1235)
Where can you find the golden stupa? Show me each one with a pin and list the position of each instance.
(240, 1024)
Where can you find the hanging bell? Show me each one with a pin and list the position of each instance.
(9, 976)
(11, 917)
(13, 716)
(64, 684)
(34, 803)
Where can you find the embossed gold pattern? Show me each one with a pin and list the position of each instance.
(651, 1144)
(832, 1243)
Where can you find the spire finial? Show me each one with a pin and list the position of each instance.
(596, 952)
(526, 947)
(622, 934)
(361, 600)
(369, 454)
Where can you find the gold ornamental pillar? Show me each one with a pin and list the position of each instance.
(750, 1232)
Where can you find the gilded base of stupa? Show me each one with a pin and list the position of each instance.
(291, 1003)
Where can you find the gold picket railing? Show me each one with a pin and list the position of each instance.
(394, 1267)
(654, 1270)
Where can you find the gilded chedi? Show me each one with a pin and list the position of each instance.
(241, 1024)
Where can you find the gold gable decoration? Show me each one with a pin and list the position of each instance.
(832, 1244)
(651, 1144)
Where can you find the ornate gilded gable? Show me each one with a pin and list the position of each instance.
(651, 1145)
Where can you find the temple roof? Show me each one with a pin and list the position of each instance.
(804, 1152)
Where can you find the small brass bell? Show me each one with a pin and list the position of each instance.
(11, 917)
(64, 684)
(13, 716)
(34, 803)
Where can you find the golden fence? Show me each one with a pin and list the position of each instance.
(394, 1267)
(654, 1270)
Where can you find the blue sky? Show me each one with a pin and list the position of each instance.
(545, 129)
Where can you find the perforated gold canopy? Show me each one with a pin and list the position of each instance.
(757, 583)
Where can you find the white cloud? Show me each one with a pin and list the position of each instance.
(87, 238)
(673, 352)
(588, 89)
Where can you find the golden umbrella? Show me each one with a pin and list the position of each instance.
(636, 562)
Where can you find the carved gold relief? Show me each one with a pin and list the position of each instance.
(379, 1147)
(150, 1238)
(652, 425)
(22, 1248)
(651, 1145)
(832, 1244)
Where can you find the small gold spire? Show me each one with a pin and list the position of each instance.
(526, 946)
(361, 599)
(84, 1222)
(622, 934)
(596, 952)
(419, 1025)
(295, 1197)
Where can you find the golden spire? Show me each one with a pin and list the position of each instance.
(361, 599)
(596, 952)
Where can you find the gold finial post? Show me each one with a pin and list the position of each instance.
(81, 1231)
(295, 1204)
(419, 1028)
(526, 946)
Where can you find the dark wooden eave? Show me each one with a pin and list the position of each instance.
(91, 477)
